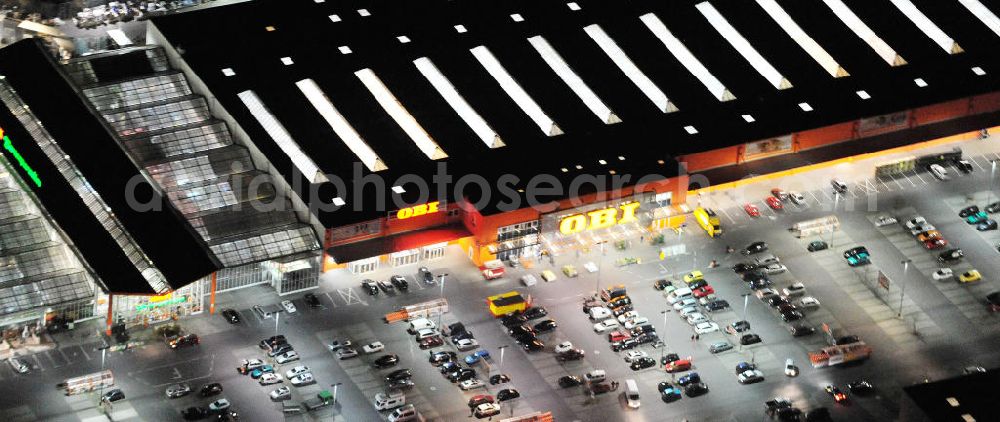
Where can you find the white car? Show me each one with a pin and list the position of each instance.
(599, 313)
(943, 274)
(218, 405)
(766, 293)
(623, 318)
(684, 303)
(885, 220)
(797, 198)
(289, 306)
(635, 322)
(750, 377)
(922, 228)
(373, 347)
(251, 364)
(634, 355)
(346, 353)
(790, 368)
(466, 344)
(281, 393)
(938, 171)
(706, 327)
(270, 378)
(590, 267)
(772, 269)
(688, 311)
(564, 347)
(286, 357)
(808, 302)
(529, 280)
(296, 370)
(696, 318)
(605, 325)
(915, 221)
(796, 289)
(303, 379)
(471, 384)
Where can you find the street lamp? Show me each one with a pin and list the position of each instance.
(746, 301)
(836, 199)
(277, 315)
(501, 348)
(600, 268)
(335, 392)
(440, 313)
(989, 191)
(663, 349)
(902, 287)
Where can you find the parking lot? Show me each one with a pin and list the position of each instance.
(918, 327)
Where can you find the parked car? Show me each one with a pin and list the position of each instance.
(400, 283)
(839, 186)
(738, 327)
(680, 365)
(373, 347)
(184, 341)
(435, 341)
(986, 225)
(964, 166)
(178, 390)
(706, 327)
(817, 245)
(303, 379)
(296, 371)
(398, 374)
(370, 287)
(496, 379)
(386, 361)
(507, 394)
(750, 377)
(790, 369)
(970, 276)
(861, 387)
(605, 325)
(471, 384)
(535, 312)
(668, 392)
(720, 346)
(195, 413)
(967, 211)
(717, 305)
(218, 405)
(440, 358)
(346, 353)
(993, 208)
(467, 344)
(642, 363)
(943, 274)
(255, 374)
(286, 357)
(885, 220)
(779, 194)
(214, 388)
(951, 255)
(569, 381)
(690, 378)
(231, 315)
(751, 210)
(474, 358)
(487, 410)
(289, 306)
(426, 275)
(838, 395)
(748, 339)
(755, 247)
(546, 326)
(281, 393)
(800, 330)
(270, 378)
(808, 302)
(938, 171)
(462, 375)
(113, 396)
(696, 389)
(774, 203)
(795, 289)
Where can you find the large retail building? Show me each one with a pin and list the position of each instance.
(336, 115)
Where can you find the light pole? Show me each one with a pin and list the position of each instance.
(277, 315)
(335, 392)
(442, 276)
(663, 349)
(836, 199)
(989, 191)
(501, 357)
(600, 268)
(746, 301)
(440, 313)
(902, 287)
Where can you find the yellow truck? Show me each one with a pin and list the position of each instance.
(505, 303)
(708, 220)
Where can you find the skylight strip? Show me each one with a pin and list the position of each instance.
(403, 118)
(742, 46)
(626, 65)
(866, 34)
(340, 125)
(458, 103)
(929, 28)
(281, 136)
(514, 90)
(571, 79)
(683, 55)
(984, 14)
(795, 32)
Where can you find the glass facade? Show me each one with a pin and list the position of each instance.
(518, 240)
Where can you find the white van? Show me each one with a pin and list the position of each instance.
(682, 293)
(389, 400)
(595, 376)
(420, 324)
(632, 394)
(599, 312)
(404, 414)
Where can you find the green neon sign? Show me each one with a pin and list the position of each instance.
(9, 146)
(151, 305)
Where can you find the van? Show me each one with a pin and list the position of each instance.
(632, 394)
(599, 313)
(420, 324)
(682, 293)
(389, 400)
(404, 414)
(595, 376)
(425, 333)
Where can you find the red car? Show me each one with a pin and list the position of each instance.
(703, 291)
(751, 209)
(779, 193)
(679, 365)
(619, 335)
(774, 203)
(935, 243)
(431, 342)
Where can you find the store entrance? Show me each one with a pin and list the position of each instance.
(434, 251)
(363, 266)
(407, 257)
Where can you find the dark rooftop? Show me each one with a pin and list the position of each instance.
(250, 39)
(162, 235)
(948, 400)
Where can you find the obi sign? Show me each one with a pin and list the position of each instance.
(417, 210)
(599, 219)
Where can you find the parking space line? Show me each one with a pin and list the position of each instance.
(887, 188)
(64, 356)
(333, 302)
(919, 177)
(818, 202)
(38, 362)
(767, 207)
(908, 179)
(975, 160)
(723, 210)
(84, 350)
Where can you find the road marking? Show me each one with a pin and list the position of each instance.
(415, 282)
(84, 350)
(919, 177)
(909, 180)
(37, 362)
(727, 215)
(49, 355)
(350, 296)
(332, 302)
(64, 356)
(887, 188)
